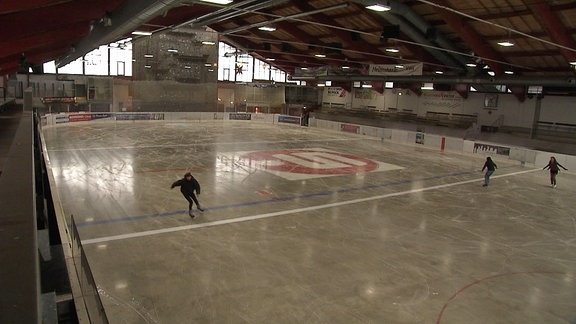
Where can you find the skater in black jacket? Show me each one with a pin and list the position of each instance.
(490, 167)
(554, 167)
(188, 185)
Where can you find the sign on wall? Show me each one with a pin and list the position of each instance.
(439, 100)
(393, 69)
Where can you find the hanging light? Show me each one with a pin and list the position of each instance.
(379, 7)
(222, 2)
(267, 28)
(506, 43)
(141, 33)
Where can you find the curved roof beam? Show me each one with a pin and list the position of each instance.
(553, 26)
(404, 17)
(128, 17)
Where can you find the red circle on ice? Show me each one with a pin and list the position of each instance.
(310, 162)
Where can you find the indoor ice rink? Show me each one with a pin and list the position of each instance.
(308, 225)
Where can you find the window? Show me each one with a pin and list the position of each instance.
(117, 55)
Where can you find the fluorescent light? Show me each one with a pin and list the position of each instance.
(320, 55)
(364, 85)
(270, 59)
(328, 83)
(172, 50)
(439, 72)
(379, 7)
(267, 28)
(427, 86)
(573, 63)
(506, 43)
(141, 33)
(345, 67)
(148, 55)
(471, 65)
(491, 73)
(224, 2)
(148, 66)
(399, 66)
(208, 43)
(509, 72)
(392, 50)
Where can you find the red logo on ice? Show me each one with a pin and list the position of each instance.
(310, 161)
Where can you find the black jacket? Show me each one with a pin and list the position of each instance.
(187, 187)
(553, 166)
(490, 165)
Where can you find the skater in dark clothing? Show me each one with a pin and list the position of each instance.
(491, 167)
(554, 167)
(188, 185)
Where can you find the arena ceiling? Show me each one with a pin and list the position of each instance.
(446, 35)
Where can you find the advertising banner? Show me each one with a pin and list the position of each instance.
(491, 149)
(289, 119)
(79, 117)
(240, 116)
(392, 69)
(350, 128)
(140, 116)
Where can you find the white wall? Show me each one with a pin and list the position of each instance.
(558, 109)
(509, 111)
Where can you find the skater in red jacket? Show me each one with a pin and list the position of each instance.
(188, 185)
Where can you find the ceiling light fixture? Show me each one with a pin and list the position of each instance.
(506, 43)
(267, 28)
(379, 7)
(222, 2)
(509, 72)
(208, 43)
(320, 55)
(141, 33)
(392, 50)
(427, 86)
(471, 64)
(573, 63)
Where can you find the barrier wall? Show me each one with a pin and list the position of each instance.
(428, 140)
(65, 118)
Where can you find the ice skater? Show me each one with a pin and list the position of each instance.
(490, 167)
(188, 185)
(554, 167)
